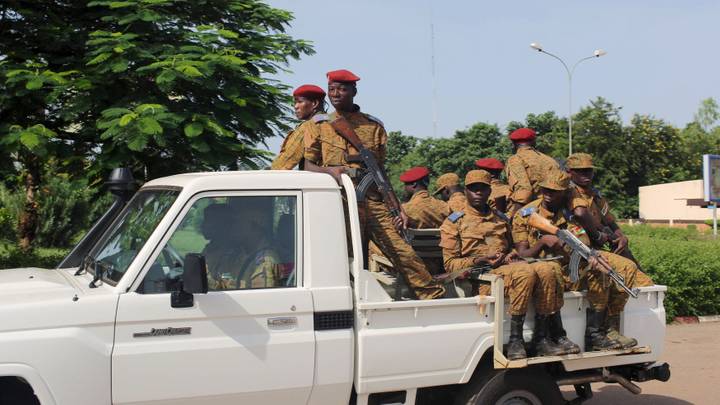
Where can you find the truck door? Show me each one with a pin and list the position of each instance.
(250, 339)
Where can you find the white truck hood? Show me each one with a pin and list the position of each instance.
(34, 298)
(33, 284)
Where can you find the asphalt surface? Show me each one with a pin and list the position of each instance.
(693, 352)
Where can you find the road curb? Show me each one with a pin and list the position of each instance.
(696, 319)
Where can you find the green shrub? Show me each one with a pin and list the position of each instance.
(689, 267)
(12, 257)
(67, 209)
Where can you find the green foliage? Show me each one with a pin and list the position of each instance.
(67, 208)
(11, 257)
(684, 260)
(161, 86)
(443, 155)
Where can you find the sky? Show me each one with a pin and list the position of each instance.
(662, 57)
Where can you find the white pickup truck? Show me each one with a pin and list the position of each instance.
(289, 318)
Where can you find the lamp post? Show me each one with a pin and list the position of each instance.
(598, 53)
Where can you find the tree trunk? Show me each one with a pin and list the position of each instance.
(28, 221)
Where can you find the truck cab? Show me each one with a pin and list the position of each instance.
(240, 287)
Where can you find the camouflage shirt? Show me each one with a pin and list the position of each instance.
(456, 202)
(425, 211)
(327, 148)
(525, 170)
(467, 234)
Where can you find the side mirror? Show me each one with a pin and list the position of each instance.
(194, 281)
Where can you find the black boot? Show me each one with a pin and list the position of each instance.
(612, 331)
(516, 344)
(595, 338)
(543, 345)
(559, 336)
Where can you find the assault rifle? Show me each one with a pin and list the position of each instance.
(373, 174)
(474, 272)
(580, 251)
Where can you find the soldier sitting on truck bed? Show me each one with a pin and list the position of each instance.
(477, 236)
(309, 102)
(592, 211)
(423, 210)
(448, 186)
(530, 243)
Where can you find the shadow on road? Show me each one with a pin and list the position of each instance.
(607, 395)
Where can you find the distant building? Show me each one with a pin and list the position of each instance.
(668, 202)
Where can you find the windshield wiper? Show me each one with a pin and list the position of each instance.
(100, 270)
(85, 264)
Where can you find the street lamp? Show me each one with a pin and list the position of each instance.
(596, 54)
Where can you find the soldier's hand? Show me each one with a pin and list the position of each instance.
(552, 242)
(400, 222)
(620, 243)
(496, 260)
(511, 257)
(336, 172)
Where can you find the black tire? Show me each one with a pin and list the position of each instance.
(15, 392)
(513, 387)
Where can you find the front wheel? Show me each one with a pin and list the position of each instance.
(514, 387)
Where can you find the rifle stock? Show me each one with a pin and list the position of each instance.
(538, 222)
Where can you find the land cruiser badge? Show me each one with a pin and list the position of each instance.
(163, 332)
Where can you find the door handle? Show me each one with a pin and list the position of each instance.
(284, 322)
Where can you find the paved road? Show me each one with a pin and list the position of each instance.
(693, 352)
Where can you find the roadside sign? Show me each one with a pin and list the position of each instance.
(711, 177)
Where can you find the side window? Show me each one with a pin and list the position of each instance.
(248, 242)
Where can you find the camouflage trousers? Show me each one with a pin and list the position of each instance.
(381, 231)
(540, 282)
(603, 293)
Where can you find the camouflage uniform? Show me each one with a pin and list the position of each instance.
(468, 234)
(291, 152)
(499, 190)
(600, 294)
(552, 270)
(224, 260)
(327, 148)
(525, 170)
(425, 211)
(457, 202)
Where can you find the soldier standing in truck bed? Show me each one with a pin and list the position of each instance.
(309, 102)
(328, 152)
(500, 191)
(423, 210)
(476, 236)
(448, 186)
(526, 169)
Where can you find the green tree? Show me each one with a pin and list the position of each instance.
(162, 86)
(708, 114)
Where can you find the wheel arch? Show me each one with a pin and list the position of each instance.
(483, 355)
(32, 378)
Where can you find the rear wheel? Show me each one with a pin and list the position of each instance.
(514, 387)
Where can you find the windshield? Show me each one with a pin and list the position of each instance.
(128, 234)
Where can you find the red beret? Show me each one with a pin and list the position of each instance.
(309, 90)
(342, 75)
(522, 134)
(489, 164)
(414, 174)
